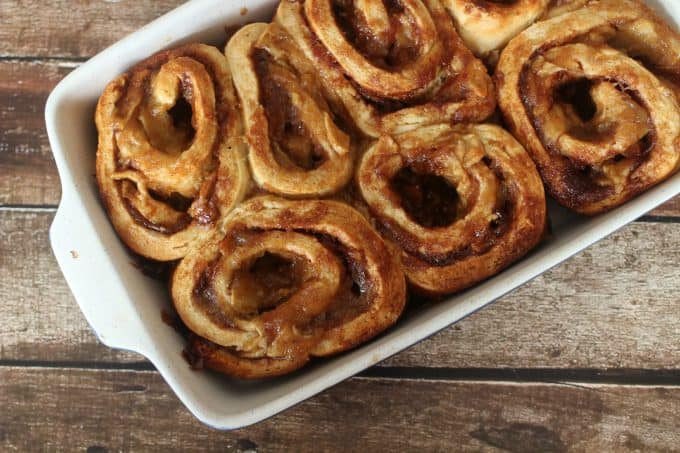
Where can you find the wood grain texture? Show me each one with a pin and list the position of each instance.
(612, 306)
(610, 311)
(41, 319)
(671, 208)
(98, 410)
(27, 171)
(68, 29)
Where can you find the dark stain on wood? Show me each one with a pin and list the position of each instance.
(634, 443)
(97, 449)
(246, 445)
(520, 437)
(130, 388)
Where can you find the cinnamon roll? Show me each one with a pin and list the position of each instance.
(283, 281)
(393, 65)
(169, 161)
(296, 146)
(592, 95)
(461, 202)
(487, 25)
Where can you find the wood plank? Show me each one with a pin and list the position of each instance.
(42, 320)
(62, 28)
(612, 306)
(27, 172)
(671, 208)
(97, 410)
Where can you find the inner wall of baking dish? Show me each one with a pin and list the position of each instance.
(220, 394)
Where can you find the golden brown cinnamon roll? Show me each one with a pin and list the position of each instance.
(169, 163)
(296, 147)
(487, 25)
(461, 202)
(592, 96)
(394, 65)
(283, 281)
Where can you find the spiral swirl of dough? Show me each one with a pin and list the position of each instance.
(461, 202)
(170, 164)
(593, 96)
(394, 65)
(296, 148)
(285, 280)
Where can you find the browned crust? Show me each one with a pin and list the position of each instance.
(220, 170)
(338, 228)
(296, 146)
(599, 25)
(444, 260)
(446, 84)
(203, 354)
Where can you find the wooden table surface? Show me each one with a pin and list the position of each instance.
(585, 357)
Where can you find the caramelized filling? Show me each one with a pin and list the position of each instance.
(428, 199)
(286, 132)
(589, 126)
(504, 201)
(436, 203)
(269, 281)
(205, 296)
(389, 48)
(180, 222)
(272, 279)
(174, 200)
(355, 292)
(577, 94)
(503, 213)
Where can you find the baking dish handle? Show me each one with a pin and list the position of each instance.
(90, 270)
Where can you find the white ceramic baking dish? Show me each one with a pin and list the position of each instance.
(124, 307)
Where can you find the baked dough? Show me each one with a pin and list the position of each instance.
(592, 95)
(296, 147)
(487, 25)
(342, 285)
(170, 160)
(490, 212)
(394, 66)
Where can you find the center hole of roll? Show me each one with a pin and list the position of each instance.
(428, 199)
(299, 149)
(182, 136)
(181, 114)
(577, 95)
(266, 283)
(169, 129)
